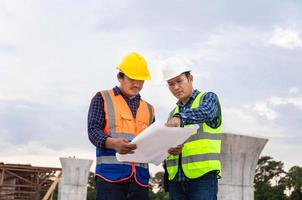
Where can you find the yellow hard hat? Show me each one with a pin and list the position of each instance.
(135, 67)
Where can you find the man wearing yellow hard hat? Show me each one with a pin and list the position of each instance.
(193, 168)
(115, 117)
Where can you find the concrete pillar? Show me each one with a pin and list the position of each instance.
(239, 160)
(73, 185)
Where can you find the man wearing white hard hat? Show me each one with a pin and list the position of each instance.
(193, 168)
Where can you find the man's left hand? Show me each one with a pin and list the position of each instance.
(175, 150)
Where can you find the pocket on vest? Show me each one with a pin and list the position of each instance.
(143, 173)
(115, 172)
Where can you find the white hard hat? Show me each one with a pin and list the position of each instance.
(170, 71)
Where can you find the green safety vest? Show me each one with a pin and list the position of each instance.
(201, 151)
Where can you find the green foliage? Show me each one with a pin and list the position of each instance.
(91, 180)
(269, 180)
(268, 170)
(272, 182)
(91, 193)
(157, 182)
(158, 195)
(293, 181)
(91, 187)
(156, 189)
(268, 192)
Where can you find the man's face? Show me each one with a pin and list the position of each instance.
(181, 87)
(130, 86)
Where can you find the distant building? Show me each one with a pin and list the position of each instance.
(25, 182)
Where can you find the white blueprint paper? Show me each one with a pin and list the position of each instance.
(153, 143)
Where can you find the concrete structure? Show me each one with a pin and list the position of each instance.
(73, 185)
(239, 160)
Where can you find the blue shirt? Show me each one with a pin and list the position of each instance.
(96, 116)
(207, 112)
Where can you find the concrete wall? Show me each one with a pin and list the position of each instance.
(239, 160)
(73, 185)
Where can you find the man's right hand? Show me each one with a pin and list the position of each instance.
(120, 145)
(175, 150)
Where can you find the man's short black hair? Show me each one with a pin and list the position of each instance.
(121, 75)
(187, 74)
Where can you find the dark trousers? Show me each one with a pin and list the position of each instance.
(203, 188)
(126, 190)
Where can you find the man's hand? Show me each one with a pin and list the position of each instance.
(173, 122)
(175, 150)
(120, 145)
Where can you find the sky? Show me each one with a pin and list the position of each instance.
(56, 55)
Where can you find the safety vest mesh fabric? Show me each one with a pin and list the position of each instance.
(201, 152)
(120, 123)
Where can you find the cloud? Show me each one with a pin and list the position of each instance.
(263, 109)
(25, 121)
(294, 101)
(275, 116)
(294, 90)
(286, 38)
(269, 107)
(7, 48)
(283, 132)
(286, 153)
(242, 120)
(55, 58)
(40, 154)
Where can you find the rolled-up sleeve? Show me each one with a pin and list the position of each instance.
(207, 112)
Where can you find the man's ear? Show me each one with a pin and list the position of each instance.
(119, 78)
(190, 78)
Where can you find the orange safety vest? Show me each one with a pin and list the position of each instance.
(120, 123)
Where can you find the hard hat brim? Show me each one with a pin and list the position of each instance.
(140, 78)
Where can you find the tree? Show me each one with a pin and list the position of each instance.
(269, 180)
(293, 182)
(91, 193)
(156, 189)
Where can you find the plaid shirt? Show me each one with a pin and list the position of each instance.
(208, 112)
(96, 116)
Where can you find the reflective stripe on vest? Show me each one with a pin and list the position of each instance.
(150, 113)
(111, 113)
(113, 105)
(203, 135)
(194, 158)
(201, 152)
(127, 136)
(113, 160)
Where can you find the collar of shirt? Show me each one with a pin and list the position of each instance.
(117, 91)
(189, 103)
